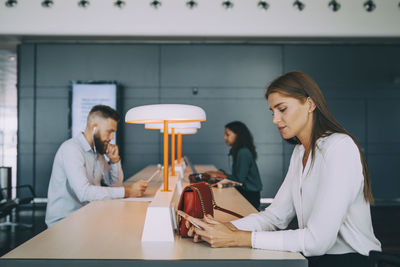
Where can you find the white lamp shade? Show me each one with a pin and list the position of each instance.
(183, 131)
(165, 112)
(175, 125)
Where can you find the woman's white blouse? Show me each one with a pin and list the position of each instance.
(327, 198)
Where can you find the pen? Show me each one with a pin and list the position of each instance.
(154, 174)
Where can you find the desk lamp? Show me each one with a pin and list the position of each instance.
(179, 129)
(165, 114)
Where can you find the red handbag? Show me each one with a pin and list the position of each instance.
(196, 200)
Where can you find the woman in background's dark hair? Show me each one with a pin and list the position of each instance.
(244, 167)
(243, 138)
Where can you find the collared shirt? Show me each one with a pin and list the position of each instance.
(76, 179)
(327, 198)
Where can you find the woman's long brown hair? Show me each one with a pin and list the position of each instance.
(301, 86)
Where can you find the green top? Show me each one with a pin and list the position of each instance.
(245, 171)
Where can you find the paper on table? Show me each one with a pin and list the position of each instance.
(138, 199)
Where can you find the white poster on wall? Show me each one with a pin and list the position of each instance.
(87, 95)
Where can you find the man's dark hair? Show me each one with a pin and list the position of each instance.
(105, 112)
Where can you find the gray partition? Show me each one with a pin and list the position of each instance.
(361, 84)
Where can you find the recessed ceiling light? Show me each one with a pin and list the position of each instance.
(155, 4)
(227, 4)
(11, 58)
(191, 4)
(369, 6)
(263, 5)
(299, 5)
(83, 3)
(47, 3)
(119, 4)
(11, 3)
(334, 5)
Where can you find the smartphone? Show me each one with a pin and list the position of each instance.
(189, 218)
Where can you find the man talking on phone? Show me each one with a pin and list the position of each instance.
(80, 167)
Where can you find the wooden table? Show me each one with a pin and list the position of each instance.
(109, 233)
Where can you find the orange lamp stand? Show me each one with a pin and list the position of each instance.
(166, 157)
(179, 148)
(172, 151)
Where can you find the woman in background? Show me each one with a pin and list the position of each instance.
(244, 167)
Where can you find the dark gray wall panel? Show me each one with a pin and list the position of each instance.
(351, 114)
(44, 163)
(360, 83)
(26, 65)
(133, 65)
(53, 91)
(384, 175)
(383, 117)
(26, 114)
(25, 121)
(349, 67)
(147, 94)
(219, 65)
(383, 155)
(26, 91)
(270, 167)
(25, 168)
(391, 147)
(52, 120)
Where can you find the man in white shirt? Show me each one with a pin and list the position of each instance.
(80, 166)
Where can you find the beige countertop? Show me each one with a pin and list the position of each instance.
(112, 229)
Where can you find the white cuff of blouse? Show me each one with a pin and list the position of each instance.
(267, 240)
(272, 240)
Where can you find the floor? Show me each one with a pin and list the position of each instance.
(386, 222)
(13, 236)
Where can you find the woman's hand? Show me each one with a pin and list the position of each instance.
(219, 234)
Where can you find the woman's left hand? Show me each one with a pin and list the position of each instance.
(219, 235)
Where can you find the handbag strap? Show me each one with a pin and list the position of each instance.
(228, 211)
(215, 206)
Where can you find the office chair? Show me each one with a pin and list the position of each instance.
(7, 205)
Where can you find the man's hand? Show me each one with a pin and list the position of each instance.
(136, 189)
(112, 153)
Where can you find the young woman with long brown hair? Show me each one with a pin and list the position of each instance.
(244, 166)
(327, 186)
